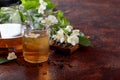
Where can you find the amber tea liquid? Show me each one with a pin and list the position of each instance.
(36, 46)
(12, 42)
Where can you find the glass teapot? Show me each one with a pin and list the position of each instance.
(10, 27)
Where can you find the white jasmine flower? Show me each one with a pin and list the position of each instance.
(11, 56)
(59, 36)
(62, 39)
(76, 32)
(69, 28)
(42, 6)
(41, 10)
(50, 20)
(40, 1)
(43, 3)
(73, 39)
(53, 19)
(46, 22)
(54, 37)
(60, 31)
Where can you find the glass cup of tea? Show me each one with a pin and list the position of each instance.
(36, 45)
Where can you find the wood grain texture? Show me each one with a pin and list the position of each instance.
(99, 19)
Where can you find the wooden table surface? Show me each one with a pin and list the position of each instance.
(99, 19)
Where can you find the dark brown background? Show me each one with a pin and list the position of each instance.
(100, 19)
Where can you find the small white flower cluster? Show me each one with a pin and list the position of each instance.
(50, 20)
(61, 36)
(42, 7)
(11, 56)
(61, 32)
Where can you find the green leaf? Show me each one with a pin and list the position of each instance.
(63, 21)
(3, 60)
(22, 16)
(30, 4)
(59, 15)
(47, 1)
(50, 5)
(84, 41)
